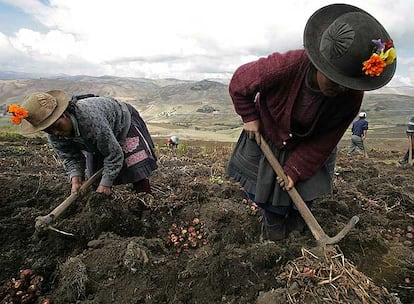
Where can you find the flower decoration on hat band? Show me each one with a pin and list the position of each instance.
(384, 54)
(18, 112)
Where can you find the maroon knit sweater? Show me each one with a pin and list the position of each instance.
(292, 115)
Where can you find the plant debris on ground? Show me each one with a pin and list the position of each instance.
(196, 239)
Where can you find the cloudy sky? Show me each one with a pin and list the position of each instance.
(185, 39)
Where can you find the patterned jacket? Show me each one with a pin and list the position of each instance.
(100, 126)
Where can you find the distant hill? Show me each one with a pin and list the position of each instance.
(169, 106)
(405, 90)
(195, 109)
(11, 75)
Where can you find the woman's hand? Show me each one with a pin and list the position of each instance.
(252, 129)
(283, 185)
(76, 182)
(104, 189)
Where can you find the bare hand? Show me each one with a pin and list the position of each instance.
(283, 184)
(76, 182)
(252, 129)
(104, 190)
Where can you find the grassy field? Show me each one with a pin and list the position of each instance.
(379, 137)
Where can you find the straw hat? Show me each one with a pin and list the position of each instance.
(338, 39)
(43, 110)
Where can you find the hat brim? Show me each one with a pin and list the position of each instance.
(62, 103)
(316, 25)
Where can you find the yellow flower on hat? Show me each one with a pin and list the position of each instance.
(389, 56)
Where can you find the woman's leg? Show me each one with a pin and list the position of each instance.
(295, 221)
(142, 186)
(273, 226)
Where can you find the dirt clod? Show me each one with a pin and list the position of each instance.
(122, 250)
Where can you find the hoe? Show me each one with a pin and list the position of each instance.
(304, 211)
(46, 221)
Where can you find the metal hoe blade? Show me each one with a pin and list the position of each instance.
(60, 231)
(45, 222)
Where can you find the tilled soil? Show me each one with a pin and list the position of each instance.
(197, 238)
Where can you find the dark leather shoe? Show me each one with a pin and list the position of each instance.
(295, 222)
(273, 227)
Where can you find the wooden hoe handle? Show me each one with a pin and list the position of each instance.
(304, 211)
(42, 222)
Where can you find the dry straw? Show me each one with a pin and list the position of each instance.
(330, 279)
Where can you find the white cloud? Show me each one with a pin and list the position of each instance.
(5, 46)
(399, 81)
(182, 39)
(54, 45)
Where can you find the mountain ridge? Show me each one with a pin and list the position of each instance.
(197, 108)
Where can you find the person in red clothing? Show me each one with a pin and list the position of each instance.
(302, 102)
(172, 142)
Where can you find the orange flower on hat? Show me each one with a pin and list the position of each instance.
(374, 65)
(18, 112)
(384, 55)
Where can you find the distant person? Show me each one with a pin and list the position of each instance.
(172, 142)
(110, 133)
(359, 134)
(302, 102)
(410, 134)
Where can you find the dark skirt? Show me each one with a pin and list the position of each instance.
(249, 167)
(139, 156)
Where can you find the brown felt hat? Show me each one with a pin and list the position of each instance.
(338, 39)
(43, 108)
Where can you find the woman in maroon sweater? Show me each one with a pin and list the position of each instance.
(302, 102)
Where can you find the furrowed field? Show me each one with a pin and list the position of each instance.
(196, 239)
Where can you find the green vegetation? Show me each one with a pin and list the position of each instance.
(216, 180)
(17, 149)
(10, 134)
(6, 125)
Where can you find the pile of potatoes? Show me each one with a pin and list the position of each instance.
(24, 289)
(191, 234)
